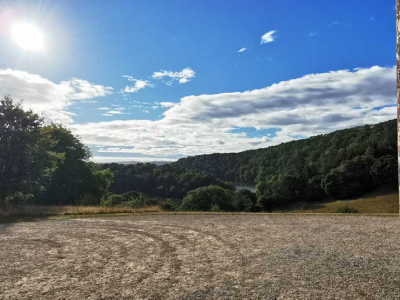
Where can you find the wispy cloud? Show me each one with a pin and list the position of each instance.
(372, 18)
(167, 104)
(314, 33)
(334, 23)
(268, 37)
(242, 50)
(103, 108)
(138, 84)
(183, 76)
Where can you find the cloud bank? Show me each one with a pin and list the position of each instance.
(46, 97)
(310, 105)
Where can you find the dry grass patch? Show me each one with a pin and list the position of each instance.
(383, 204)
(34, 211)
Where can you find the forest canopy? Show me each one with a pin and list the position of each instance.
(341, 164)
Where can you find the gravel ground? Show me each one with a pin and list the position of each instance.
(202, 257)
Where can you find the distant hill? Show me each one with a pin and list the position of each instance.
(157, 163)
(342, 164)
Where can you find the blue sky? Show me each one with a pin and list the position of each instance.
(159, 80)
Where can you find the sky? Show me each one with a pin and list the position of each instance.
(161, 80)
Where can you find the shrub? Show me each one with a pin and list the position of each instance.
(215, 208)
(244, 200)
(204, 198)
(129, 199)
(346, 210)
(169, 205)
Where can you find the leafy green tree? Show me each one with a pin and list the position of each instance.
(350, 179)
(76, 180)
(204, 198)
(25, 163)
(384, 170)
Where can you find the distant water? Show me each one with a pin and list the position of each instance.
(244, 186)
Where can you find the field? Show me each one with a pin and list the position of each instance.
(197, 256)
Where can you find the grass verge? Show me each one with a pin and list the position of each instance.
(14, 211)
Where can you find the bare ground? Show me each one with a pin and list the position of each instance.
(202, 257)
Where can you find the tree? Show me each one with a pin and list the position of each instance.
(76, 180)
(25, 162)
(350, 179)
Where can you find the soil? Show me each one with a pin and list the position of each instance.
(202, 257)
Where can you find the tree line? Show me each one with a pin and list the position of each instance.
(171, 181)
(341, 164)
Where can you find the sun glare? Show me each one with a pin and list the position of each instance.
(27, 36)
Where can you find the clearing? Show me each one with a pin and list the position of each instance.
(202, 256)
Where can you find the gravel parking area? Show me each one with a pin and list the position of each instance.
(202, 257)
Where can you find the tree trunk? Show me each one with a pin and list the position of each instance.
(398, 84)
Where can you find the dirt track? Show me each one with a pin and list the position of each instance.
(202, 257)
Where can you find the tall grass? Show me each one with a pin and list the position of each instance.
(36, 211)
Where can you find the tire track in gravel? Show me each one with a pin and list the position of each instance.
(236, 271)
(167, 250)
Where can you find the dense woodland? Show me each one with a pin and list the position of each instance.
(341, 164)
(162, 181)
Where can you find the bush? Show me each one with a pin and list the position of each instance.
(204, 198)
(244, 200)
(169, 205)
(347, 210)
(129, 199)
(215, 208)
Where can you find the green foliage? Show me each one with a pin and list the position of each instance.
(45, 164)
(346, 210)
(129, 199)
(342, 164)
(245, 200)
(169, 205)
(350, 179)
(204, 198)
(215, 208)
(75, 180)
(25, 163)
(163, 181)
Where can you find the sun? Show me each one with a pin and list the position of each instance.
(27, 36)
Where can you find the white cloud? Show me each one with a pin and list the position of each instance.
(268, 37)
(314, 33)
(109, 159)
(242, 50)
(335, 23)
(306, 106)
(103, 108)
(46, 97)
(138, 84)
(167, 104)
(183, 76)
(117, 111)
